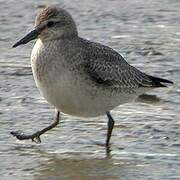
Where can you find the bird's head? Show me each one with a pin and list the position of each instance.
(52, 23)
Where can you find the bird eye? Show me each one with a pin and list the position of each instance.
(50, 24)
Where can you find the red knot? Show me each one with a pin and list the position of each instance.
(77, 76)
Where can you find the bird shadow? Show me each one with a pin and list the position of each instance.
(77, 165)
(148, 98)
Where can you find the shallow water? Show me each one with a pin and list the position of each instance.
(146, 139)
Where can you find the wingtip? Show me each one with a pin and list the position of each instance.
(160, 82)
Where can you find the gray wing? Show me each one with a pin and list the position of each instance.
(106, 67)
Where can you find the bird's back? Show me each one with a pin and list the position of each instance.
(108, 68)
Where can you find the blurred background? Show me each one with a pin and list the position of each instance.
(146, 138)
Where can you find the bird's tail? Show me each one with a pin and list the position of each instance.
(159, 82)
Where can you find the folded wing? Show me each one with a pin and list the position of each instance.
(108, 68)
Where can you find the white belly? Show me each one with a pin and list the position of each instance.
(78, 99)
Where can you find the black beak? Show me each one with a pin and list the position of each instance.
(29, 37)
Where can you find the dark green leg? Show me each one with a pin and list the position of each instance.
(36, 136)
(110, 128)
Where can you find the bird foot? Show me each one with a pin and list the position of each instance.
(21, 136)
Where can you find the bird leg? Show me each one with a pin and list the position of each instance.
(110, 128)
(36, 136)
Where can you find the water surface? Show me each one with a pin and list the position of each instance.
(146, 139)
